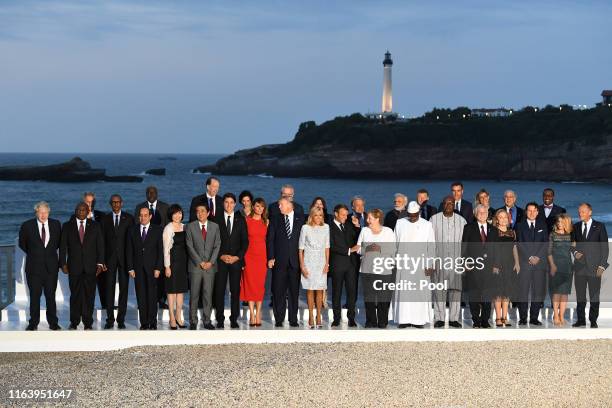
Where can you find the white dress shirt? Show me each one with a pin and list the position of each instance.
(231, 217)
(214, 204)
(290, 215)
(46, 224)
(338, 224)
(588, 227)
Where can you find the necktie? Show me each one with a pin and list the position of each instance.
(144, 233)
(43, 235)
(116, 220)
(584, 230)
(211, 206)
(548, 206)
(342, 227)
(510, 216)
(456, 206)
(152, 209)
(532, 230)
(81, 231)
(204, 232)
(229, 225)
(287, 226)
(483, 234)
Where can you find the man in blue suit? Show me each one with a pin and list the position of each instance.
(532, 237)
(282, 248)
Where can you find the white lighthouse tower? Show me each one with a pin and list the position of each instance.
(387, 96)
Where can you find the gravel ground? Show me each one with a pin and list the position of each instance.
(451, 374)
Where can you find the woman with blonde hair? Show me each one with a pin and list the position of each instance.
(314, 261)
(560, 245)
(506, 267)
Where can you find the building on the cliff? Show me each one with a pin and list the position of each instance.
(606, 96)
(492, 113)
(386, 111)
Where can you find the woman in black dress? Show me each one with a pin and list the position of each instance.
(505, 268)
(175, 262)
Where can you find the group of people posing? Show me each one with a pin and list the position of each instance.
(525, 253)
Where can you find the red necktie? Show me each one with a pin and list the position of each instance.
(204, 232)
(43, 235)
(483, 235)
(81, 232)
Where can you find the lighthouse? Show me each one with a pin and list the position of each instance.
(387, 96)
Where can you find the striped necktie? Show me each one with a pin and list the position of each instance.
(287, 226)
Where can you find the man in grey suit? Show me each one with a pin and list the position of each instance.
(203, 244)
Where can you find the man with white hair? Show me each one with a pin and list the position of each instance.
(39, 238)
(399, 210)
(515, 214)
(415, 253)
(288, 193)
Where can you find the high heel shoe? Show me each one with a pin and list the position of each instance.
(173, 327)
(499, 323)
(181, 326)
(505, 322)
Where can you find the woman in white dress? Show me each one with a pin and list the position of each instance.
(314, 261)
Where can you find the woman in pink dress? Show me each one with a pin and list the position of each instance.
(253, 280)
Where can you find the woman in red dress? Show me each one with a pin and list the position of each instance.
(253, 280)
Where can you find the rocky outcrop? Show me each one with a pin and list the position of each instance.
(74, 170)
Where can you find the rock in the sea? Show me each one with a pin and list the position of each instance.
(74, 170)
(156, 172)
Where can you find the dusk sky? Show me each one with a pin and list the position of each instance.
(214, 77)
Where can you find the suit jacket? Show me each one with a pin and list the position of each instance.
(595, 248)
(529, 245)
(466, 210)
(472, 246)
(279, 247)
(430, 210)
(202, 251)
(202, 198)
(520, 215)
(274, 211)
(339, 245)
(81, 258)
(237, 242)
(145, 256)
(40, 259)
(115, 238)
(555, 211)
(160, 217)
(392, 216)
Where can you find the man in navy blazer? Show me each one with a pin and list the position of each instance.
(532, 238)
(282, 248)
(515, 214)
(39, 238)
(462, 207)
(591, 254)
(549, 211)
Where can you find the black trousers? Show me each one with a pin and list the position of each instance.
(39, 282)
(82, 297)
(285, 286)
(101, 284)
(477, 287)
(112, 275)
(146, 296)
(376, 301)
(532, 282)
(581, 282)
(233, 272)
(344, 277)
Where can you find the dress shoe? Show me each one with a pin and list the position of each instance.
(535, 322)
(418, 326)
(370, 325)
(32, 327)
(55, 327)
(220, 325)
(438, 324)
(278, 324)
(454, 324)
(294, 324)
(209, 326)
(152, 327)
(193, 326)
(108, 326)
(382, 325)
(88, 327)
(234, 325)
(335, 323)
(485, 325)
(351, 323)
(594, 325)
(72, 326)
(121, 326)
(404, 325)
(579, 324)
(144, 327)
(476, 324)
(522, 322)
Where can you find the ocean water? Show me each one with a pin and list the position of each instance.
(17, 198)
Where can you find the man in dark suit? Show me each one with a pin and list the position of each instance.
(462, 207)
(212, 199)
(234, 243)
(342, 237)
(515, 214)
(115, 226)
(144, 262)
(477, 242)
(532, 238)
(159, 209)
(39, 239)
(422, 198)
(282, 252)
(356, 220)
(287, 192)
(549, 211)
(400, 201)
(81, 255)
(591, 254)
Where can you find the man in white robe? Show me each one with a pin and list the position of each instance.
(416, 250)
(448, 230)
